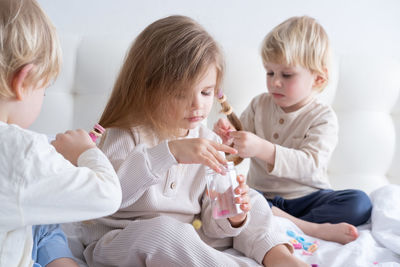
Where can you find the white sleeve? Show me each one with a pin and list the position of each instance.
(52, 190)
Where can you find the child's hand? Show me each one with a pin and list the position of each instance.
(200, 151)
(250, 145)
(222, 127)
(246, 143)
(243, 200)
(72, 144)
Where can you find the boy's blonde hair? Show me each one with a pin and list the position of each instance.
(165, 61)
(26, 36)
(299, 41)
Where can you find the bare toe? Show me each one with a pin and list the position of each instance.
(352, 232)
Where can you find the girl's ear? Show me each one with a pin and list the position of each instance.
(18, 81)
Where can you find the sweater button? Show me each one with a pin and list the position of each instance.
(276, 135)
(172, 185)
(281, 121)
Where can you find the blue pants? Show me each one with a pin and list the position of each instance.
(49, 244)
(351, 206)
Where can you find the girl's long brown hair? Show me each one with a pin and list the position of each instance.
(165, 61)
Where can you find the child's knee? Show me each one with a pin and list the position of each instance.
(361, 207)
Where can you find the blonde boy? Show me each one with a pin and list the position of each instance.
(290, 135)
(37, 184)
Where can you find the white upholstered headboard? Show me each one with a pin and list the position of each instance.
(364, 92)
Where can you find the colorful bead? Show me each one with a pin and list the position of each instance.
(297, 246)
(312, 248)
(197, 224)
(290, 233)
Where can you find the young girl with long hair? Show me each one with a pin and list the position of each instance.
(158, 146)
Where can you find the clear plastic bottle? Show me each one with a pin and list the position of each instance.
(221, 192)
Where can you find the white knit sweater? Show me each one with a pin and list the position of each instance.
(39, 186)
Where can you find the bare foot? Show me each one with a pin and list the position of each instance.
(342, 233)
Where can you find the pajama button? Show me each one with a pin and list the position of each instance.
(172, 185)
(276, 136)
(281, 121)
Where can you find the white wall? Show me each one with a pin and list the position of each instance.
(352, 25)
(362, 25)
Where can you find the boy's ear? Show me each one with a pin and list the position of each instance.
(319, 80)
(18, 81)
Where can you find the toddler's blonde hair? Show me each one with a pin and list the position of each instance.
(166, 59)
(299, 41)
(26, 36)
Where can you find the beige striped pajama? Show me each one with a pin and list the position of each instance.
(160, 200)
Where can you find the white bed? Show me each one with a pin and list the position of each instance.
(377, 245)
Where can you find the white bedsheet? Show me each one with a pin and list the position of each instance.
(377, 245)
(386, 217)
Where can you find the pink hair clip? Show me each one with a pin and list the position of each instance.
(221, 98)
(97, 131)
(220, 94)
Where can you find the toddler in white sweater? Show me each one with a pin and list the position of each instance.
(41, 184)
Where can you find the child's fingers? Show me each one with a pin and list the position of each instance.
(219, 124)
(214, 160)
(215, 155)
(60, 136)
(224, 148)
(208, 161)
(245, 207)
(243, 199)
(224, 124)
(242, 189)
(237, 135)
(240, 178)
(223, 134)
